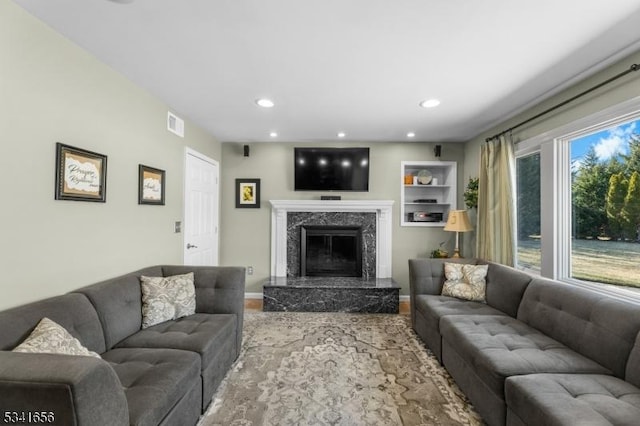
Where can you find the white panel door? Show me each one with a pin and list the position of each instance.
(201, 210)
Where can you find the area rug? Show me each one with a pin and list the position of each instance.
(336, 369)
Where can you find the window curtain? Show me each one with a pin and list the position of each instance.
(496, 211)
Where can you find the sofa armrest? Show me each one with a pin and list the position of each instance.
(219, 290)
(70, 390)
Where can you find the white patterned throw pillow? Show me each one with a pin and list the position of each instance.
(465, 281)
(49, 337)
(167, 298)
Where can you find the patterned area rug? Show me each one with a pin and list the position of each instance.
(336, 369)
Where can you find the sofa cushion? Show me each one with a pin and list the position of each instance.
(219, 290)
(72, 311)
(200, 333)
(154, 380)
(429, 309)
(498, 346)
(600, 327)
(467, 282)
(434, 307)
(167, 298)
(118, 302)
(505, 287)
(50, 337)
(572, 399)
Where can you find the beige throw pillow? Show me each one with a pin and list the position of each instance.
(167, 298)
(466, 282)
(50, 337)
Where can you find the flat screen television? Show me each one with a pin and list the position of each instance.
(331, 169)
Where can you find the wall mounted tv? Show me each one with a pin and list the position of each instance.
(331, 169)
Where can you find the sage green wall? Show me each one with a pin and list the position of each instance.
(626, 88)
(246, 233)
(53, 91)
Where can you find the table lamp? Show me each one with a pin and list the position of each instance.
(457, 222)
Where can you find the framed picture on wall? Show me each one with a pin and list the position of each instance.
(151, 183)
(248, 193)
(81, 175)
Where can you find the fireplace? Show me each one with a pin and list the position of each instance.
(374, 216)
(331, 251)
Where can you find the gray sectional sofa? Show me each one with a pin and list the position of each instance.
(538, 352)
(162, 375)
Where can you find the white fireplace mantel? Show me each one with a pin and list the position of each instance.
(280, 208)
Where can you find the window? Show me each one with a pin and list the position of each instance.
(605, 205)
(578, 201)
(528, 212)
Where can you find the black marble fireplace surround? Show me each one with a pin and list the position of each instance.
(364, 220)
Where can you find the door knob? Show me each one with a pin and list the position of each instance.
(189, 245)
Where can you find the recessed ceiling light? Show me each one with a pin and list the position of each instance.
(430, 103)
(265, 103)
(342, 134)
(411, 135)
(273, 134)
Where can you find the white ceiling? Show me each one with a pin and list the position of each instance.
(357, 66)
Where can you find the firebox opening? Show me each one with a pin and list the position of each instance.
(331, 251)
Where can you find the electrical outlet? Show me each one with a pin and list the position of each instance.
(249, 270)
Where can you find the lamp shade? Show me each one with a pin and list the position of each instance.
(458, 221)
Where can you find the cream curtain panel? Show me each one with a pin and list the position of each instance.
(496, 207)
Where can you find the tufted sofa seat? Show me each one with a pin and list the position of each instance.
(153, 379)
(199, 333)
(571, 399)
(532, 360)
(162, 375)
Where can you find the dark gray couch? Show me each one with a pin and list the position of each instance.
(539, 352)
(163, 375)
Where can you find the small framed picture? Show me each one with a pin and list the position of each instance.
(151, 183)
(81, 175)
(248, 193)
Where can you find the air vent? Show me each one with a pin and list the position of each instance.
(175, 124)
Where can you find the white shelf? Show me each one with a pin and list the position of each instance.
(427, 186)
(444, 192)
(427, 204)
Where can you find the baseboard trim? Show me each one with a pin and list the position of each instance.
(253, 296)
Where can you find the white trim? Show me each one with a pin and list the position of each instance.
(191, 151)
(555, 171)
(405, 298)
(253, 296)
(619, 292)
(280, 208)
(608, 117)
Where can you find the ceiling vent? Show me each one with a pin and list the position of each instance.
(175, 124)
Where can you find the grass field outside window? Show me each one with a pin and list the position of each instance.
(609, 262)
